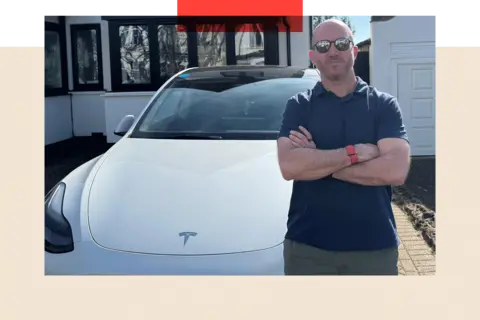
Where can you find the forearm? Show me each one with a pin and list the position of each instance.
(388, 169)
(312, 164)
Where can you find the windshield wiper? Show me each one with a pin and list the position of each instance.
(191, 136)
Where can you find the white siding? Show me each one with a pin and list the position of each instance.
(58, 119)
(402, 62)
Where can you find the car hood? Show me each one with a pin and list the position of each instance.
(150, 195)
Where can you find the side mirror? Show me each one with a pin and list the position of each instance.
(124, 125)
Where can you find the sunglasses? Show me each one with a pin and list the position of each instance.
(341, 44)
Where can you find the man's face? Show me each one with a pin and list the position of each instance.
(333, 64)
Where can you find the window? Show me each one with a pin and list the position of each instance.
(146, 51)
(212, 47)
(256, 39)
(230, 105)
(134, 54)
(249, 45)
(172, 48)
(87, 57)
(55, 71)
(53, 61)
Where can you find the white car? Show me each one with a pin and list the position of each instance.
(193, 187)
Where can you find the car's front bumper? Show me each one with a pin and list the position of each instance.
(91, 259)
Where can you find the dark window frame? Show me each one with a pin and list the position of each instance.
(271, 44)
(74, 29)
(60, 29)
(310, 32)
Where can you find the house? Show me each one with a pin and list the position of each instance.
(362, 62)
(97, 69)
(100, 67)
(364, 45)
(402, 63)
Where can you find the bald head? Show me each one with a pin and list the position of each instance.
(329, 27)
(333, 50)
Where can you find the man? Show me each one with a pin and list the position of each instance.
(344, 145)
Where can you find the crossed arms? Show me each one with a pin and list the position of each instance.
(386, 163)
(389, 168)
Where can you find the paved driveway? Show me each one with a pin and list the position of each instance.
(415, 256)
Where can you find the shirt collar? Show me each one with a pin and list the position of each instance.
(360, 89)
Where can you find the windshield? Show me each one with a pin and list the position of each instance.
(220, 108)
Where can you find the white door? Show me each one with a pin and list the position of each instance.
(416, 95)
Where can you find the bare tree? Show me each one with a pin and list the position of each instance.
(173, 48)
(135, 53)
(252, 53)
(53, 75)
(211, 40)
(87, 56)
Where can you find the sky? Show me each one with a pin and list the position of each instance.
(362, 27)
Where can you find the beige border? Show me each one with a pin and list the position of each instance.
(460, 42)
(27, 294)
(19, 42)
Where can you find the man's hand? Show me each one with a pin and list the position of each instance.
(302, 139)
(300, 159)
(390, 168)
(366, 152)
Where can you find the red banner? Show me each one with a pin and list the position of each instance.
(298, 7)
(243, 8)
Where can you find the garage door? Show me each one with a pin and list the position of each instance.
(416, 95)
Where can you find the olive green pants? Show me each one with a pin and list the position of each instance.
(302, 259)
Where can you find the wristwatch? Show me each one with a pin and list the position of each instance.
(352, 153)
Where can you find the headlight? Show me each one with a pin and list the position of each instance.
(58, 233)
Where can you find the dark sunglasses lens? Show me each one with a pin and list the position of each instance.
(322, 46)
(342, 44)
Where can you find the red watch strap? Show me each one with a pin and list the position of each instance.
(352, 153)
(354, 158)
(351, 150)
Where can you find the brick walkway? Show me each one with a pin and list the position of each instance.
(415, 256)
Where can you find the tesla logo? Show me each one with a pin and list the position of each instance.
(186, 235)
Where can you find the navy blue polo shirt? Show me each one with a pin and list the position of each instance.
(328, 213)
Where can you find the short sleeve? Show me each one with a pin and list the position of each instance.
(390, 120)
(292, 117)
